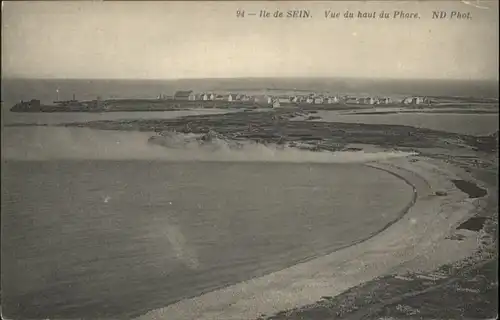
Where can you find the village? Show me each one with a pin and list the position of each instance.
(188, 99)
(290, 100)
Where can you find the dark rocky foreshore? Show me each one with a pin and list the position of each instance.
(275, 127)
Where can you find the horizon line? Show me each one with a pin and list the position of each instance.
(252, 77)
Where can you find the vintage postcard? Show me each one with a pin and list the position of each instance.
(249, 160)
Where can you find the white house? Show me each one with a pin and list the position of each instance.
(384, 101)
(318, 100)
(332, 100)
(414, 100)
(207, 97)
(310, 99)
(368, 100)
(419, 100)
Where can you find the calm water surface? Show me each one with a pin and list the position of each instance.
(118, 238)
(472, 124)
(66, 117)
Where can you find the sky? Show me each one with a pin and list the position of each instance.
(175, 40)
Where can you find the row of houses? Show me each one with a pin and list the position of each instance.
(416, 100)
(229, 97)
(386, 100)
(368, 100)
(292, 99)
(191, 96)
(320, 99)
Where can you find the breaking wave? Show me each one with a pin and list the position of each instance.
(50, 143)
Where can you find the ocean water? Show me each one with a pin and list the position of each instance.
(470, 124)
(14, 90)
(10, 118)
(116, 238)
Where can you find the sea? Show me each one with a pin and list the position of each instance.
(99, 224)
(117, 238)
(48, 90)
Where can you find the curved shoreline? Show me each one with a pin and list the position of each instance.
(307, 282)
(401, 214)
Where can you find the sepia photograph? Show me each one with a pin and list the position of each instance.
(249, 160)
